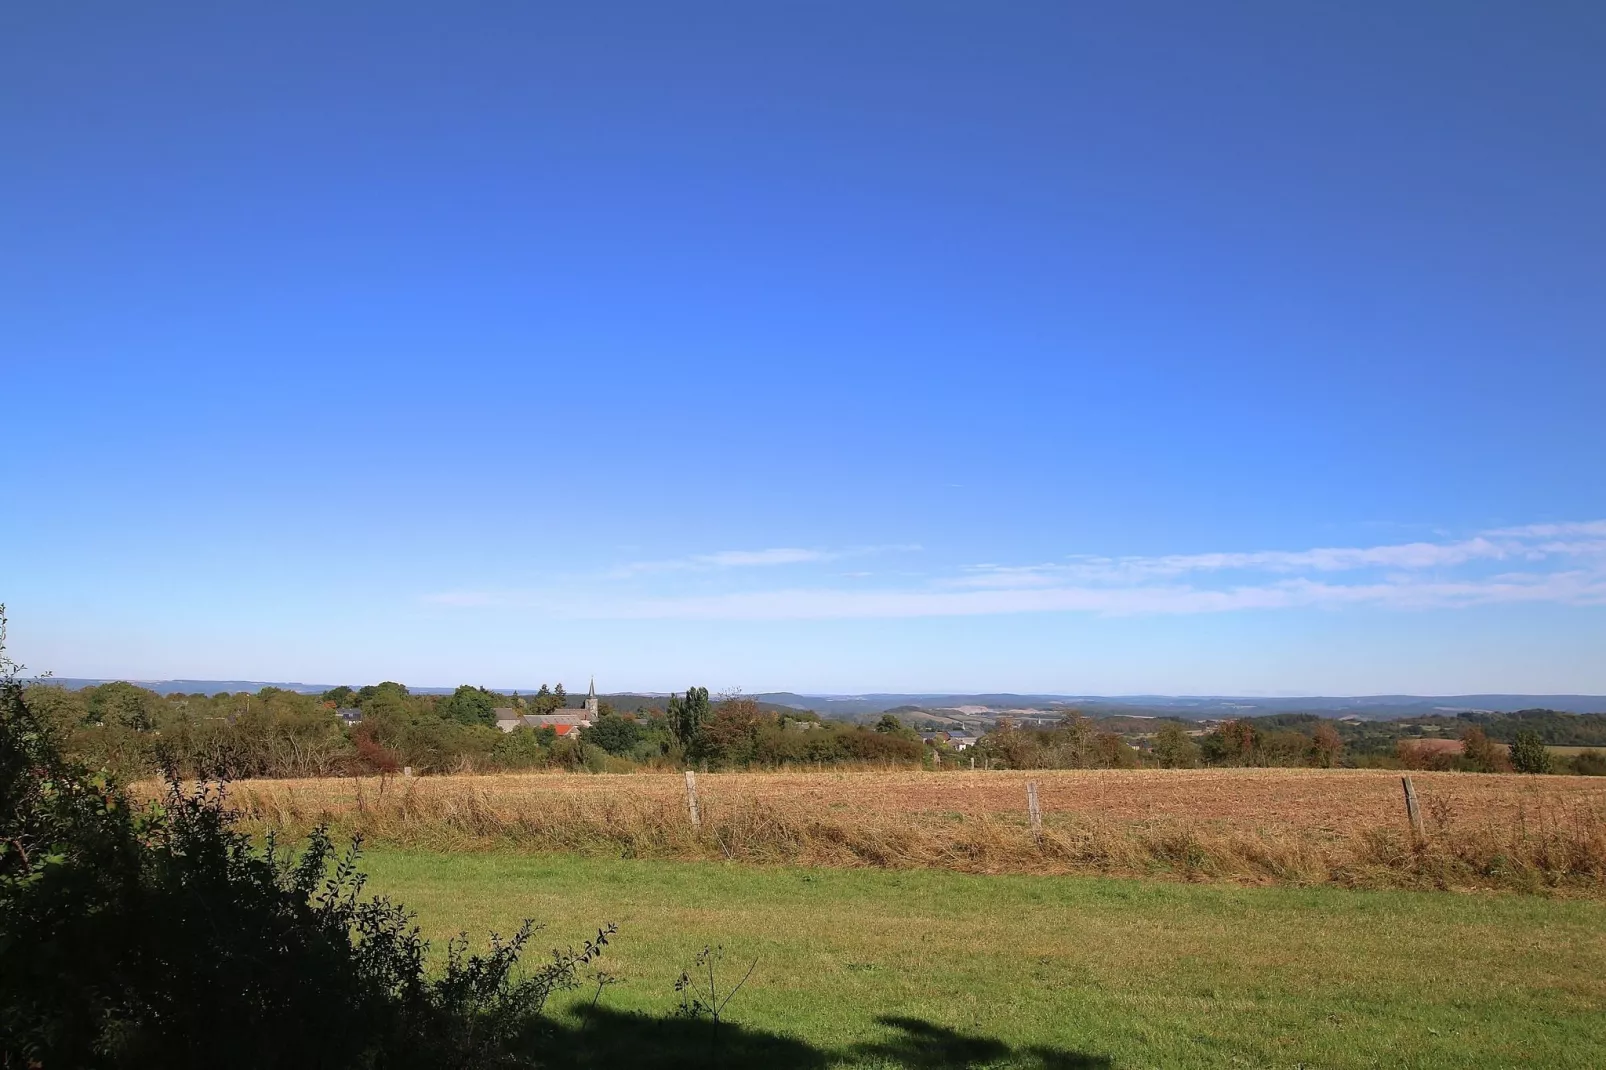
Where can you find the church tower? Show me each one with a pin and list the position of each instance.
(591, 701)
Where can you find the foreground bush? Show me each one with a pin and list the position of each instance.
(163, 937)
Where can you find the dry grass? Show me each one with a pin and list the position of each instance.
(1289, 826)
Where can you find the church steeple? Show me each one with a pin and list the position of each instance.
(591, 701)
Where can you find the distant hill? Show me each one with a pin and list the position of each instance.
(861, 705)
(212, 687)
(990, 704)
(634, 702)
(1192, 707)
(1367, 707)
(623, 702)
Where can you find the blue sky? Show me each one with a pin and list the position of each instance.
(1244, 348)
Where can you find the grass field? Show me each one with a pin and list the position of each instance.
(1567, 752)
(925, 968)
(1286, 826)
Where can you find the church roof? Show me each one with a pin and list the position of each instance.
(569, 717)
(508, 713)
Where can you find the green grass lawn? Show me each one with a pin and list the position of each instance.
(926, 968)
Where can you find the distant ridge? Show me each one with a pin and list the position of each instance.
(1194, 707)
(1198, 707)
(205, 687)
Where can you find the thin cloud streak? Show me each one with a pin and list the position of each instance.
(1505, 545)
(1594, 528)
(829, 604)
(1557, 563)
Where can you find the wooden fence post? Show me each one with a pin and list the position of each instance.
(691, 800)
(1411, 810)
(1033, 811)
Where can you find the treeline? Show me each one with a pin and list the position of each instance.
(1079, 742)
(135, 733)
(1286, 740)
(1470, 742)
(1552, 727)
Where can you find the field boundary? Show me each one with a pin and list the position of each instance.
(1296, 827)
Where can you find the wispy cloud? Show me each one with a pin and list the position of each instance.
(830, 603)
(1554, 563)
(1594, 529)
(1088, 569)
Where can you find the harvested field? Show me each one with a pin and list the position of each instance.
(1265, 825)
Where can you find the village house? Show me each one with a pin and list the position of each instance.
(957, 742)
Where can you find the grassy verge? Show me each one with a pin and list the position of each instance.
(932, 968)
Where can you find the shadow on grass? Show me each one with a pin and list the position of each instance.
(606, 1039)
(920, 1045)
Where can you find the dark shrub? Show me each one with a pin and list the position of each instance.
(1480, 754)
(1588, 763)
(163, 937)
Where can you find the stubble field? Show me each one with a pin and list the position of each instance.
(1289, 826)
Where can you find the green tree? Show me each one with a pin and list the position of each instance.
(341, 696)
(1174, 748)
(123, 705)
(616, 735)
(889, 723)
(545, 701)
(470, 705)
(388, 699)
(388, 688)
(1528, 753)
(519, 749)
(687, 716)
